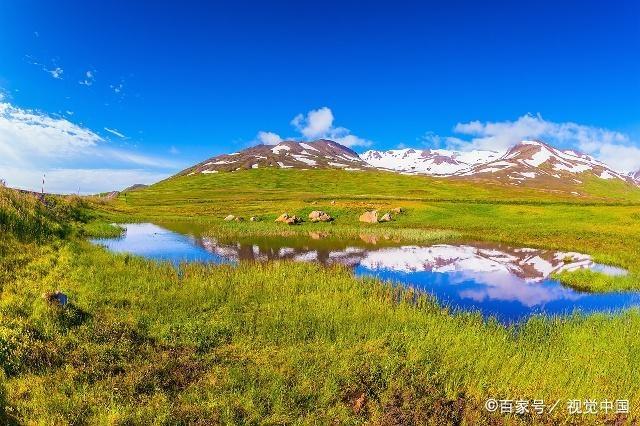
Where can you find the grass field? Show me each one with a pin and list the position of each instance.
(287, 343)
(605, 224)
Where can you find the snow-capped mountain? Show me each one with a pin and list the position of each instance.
(320, 154)
(527, 163)
(530, 160)
(435, 162)
(524, 162)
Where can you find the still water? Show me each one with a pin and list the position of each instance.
(510, 284)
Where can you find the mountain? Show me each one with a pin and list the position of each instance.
(135, 187)
(319, 154)
(434, 162)
(535, 160)
(529, 162)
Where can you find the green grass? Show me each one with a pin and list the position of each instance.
(604, 224)
(279, 343)
(292, 343)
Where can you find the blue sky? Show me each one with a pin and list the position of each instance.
(159, 88)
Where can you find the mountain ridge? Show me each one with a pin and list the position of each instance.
(528, 162)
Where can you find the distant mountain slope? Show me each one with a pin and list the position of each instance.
(635, 176)
(535, 160)
(135, 187)
(436, 162)
(320, 154)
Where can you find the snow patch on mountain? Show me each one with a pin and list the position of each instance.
(434, 162)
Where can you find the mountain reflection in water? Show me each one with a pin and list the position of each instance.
(507, 283)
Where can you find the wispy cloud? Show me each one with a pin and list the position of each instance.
(117, 88)
(72, 180)
(54, 70)
(89, 78)
(32, 142)
(115, 132)
(609, 146)
(316, 124)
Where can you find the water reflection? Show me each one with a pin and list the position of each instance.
(499, 281)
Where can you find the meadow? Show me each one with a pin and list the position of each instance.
(142, 342)
(604, 223)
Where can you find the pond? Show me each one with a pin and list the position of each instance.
(510, 284)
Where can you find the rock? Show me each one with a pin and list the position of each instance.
(318, 235)
(369, 239)
(333, 202)
(397, 210)
(239, 219)
(289, 220)
(254, 219)
(283, 218)
(369, 217)
(55, 298)
(230, 218)
(293, 220)
(386, 218)
(319, 216)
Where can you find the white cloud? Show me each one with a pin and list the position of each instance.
(316, 124)
(611, 147)
(117, 88)
(89, 78)
(87, 181)
(115, 132)
(56, 72)
(32, 143)
(269, 138)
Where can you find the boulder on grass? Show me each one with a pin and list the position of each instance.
(315, 235)
(254, 219)
(398, 210)
(369, 217)
(319, 216)
(294, 220)
(230, 218)
(239, 219)
(386, 218)
(283, 218)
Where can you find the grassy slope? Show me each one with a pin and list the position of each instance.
(292, 343)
